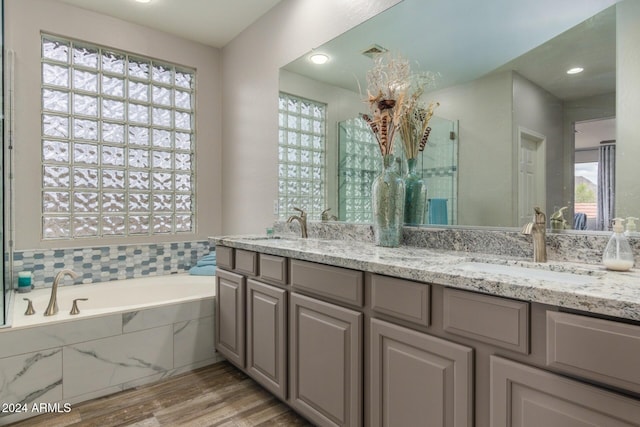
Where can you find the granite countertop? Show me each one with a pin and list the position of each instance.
(584, 287)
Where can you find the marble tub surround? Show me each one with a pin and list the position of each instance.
(572, 285)
(563, 245)
(77, 360)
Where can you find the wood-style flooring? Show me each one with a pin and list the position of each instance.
(217, 395)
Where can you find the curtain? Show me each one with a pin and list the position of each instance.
(606, 185)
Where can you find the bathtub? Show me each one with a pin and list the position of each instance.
(110, 297)
(130, 332)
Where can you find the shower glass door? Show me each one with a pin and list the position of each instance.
(359, 162)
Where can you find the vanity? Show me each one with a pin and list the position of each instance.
(350, 334)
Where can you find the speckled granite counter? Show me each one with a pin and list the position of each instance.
(576, 286)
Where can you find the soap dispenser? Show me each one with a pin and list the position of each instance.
(617, 255)
(631, 229)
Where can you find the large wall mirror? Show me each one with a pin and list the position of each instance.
(516, 130)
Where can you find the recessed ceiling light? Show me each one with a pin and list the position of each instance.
(143, 1)
(575, 70)
(319, 58)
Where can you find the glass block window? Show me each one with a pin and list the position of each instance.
(360, 163)
(117, 143)
(301, 153)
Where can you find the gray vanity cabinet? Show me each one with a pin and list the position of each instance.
(322, 337)
(522, 396)
(266, 336)
(416, 377)
(230, 316)
(325, 362)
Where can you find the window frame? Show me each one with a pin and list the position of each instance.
(286, 200)
(161, 158)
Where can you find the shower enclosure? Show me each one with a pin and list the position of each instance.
(359, 162)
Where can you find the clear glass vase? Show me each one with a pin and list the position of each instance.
(388, 205)
(415, 200)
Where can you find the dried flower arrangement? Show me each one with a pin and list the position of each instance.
(414, 128)
(387, 85)
(393, 97)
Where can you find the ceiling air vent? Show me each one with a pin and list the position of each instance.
(373, 50)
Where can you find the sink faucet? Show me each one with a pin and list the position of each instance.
(325, 216)
(52, 308)
(302, 219)
(538, 229)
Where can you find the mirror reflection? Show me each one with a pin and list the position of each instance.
(514, 130)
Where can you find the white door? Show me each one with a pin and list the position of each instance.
(531, 175)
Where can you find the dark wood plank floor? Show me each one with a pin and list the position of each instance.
(217, 395)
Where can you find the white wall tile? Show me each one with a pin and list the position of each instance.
(31, 378)
(193, 341)
(94, 365)
(166, 315)
(30, 339)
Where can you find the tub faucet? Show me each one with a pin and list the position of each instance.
(302, 219)
(538, 230)
(52, 308)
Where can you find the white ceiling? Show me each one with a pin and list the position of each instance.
(211, 22)
(466, 39)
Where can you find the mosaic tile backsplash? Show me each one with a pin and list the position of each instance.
(104, 263)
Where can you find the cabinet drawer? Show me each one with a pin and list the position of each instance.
(526, 396)
(336, 283)
(246, 262)
(224, 257)
(498, 321)
(273, 269)
(597, 349)
(401, 299)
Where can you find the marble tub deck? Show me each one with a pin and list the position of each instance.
(576, 286)
(76, 360)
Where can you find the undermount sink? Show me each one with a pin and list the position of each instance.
(531, 272)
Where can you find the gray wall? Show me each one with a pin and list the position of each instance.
(483, 109)
(537, 110)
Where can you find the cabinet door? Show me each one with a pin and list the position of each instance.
(524, 396)
(266, 336)
(417, 379)
(325, 362)
(229, 327)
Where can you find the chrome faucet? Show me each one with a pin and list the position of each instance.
(52, 308)
(302, 219)
(538, 229)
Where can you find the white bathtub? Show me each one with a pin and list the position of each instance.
(129, 332)
(111, 297)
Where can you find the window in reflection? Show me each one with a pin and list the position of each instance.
(301, 156)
